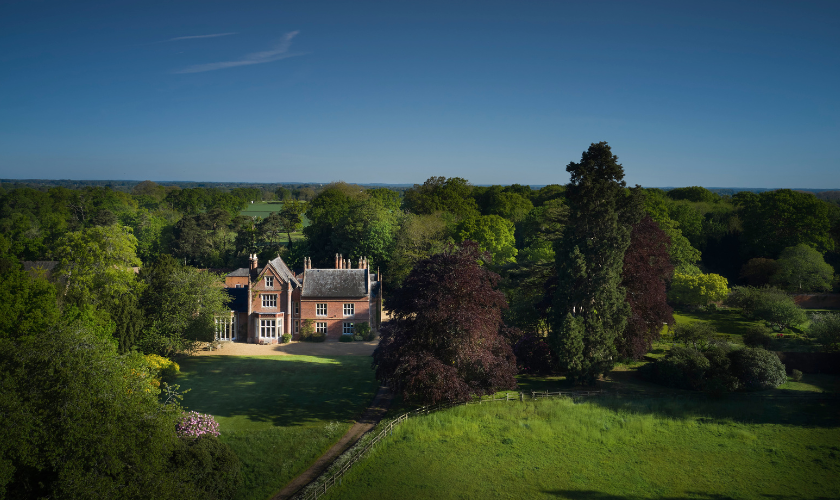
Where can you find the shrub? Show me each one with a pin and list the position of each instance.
(781, 313)
(826, 329)
(209, 464)
(161, 369)
(757, 369)
(346, 338)
(758, 336)
(286, 338)
(749, 298)
(314, 337)
(698, 289)
(358, 338)
(194, 425)
(796, 375)
(534, 356)
(363, 330)
(697, 335)
(682, 367)
(718, 378)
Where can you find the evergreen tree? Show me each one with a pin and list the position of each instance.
(589, 309)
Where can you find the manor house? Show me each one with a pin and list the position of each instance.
(272, 300)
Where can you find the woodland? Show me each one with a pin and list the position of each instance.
(483, 283)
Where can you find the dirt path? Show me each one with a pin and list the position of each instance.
(369, 419)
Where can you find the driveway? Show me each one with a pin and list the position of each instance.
(328, 348)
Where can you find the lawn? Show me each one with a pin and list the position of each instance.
(278, 413)
(609, 449)
(730, 323)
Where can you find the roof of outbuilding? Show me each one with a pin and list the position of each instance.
(238, 299)
(241, 272)
(335, 283)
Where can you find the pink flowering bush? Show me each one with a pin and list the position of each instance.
(194, 424)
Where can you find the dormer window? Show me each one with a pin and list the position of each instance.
(269, 281)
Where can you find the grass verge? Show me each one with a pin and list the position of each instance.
(278, 413)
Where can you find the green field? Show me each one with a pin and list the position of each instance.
(610, 449)
(278, 413)
(263, 209)
(730, 323)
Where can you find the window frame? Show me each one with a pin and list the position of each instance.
(351, 307)
(271, 297)
(321, 327)
(351, 328)
(319, 308)
(269, 282)
(268, 325)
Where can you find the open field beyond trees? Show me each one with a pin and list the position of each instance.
(278, 413)
(609, 449)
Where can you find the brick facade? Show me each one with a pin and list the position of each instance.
(276, 300)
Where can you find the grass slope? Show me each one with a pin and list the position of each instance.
(278, 413)
(608, 449)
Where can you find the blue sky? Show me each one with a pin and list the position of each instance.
(740, 94)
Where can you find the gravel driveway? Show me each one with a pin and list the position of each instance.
(334, 348)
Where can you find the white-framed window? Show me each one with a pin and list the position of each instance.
(225, 328)
(320, 310)
(269, 281)
(269, 300)
(239, 286)
(349, 309)
(321, 327)
(297, 308)
(349, 328)
(268, 328)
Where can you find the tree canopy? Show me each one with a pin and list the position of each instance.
(443, 342)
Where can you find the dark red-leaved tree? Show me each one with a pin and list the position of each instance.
(647, 269)
(443, 341)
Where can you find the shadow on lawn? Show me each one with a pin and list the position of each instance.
(599, 495)
(282, 390)
(627, 392)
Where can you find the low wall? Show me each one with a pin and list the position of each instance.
(818, 301)
(811, 362)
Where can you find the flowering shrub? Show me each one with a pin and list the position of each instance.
(194, 424)
(160, 368)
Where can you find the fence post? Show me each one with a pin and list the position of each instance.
(521, 397)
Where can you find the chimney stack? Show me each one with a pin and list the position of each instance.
(337, 264)
(252, 264)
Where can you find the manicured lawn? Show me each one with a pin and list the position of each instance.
(730, 323)
(608, 449)
(278, 413)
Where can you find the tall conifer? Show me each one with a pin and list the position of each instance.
(589, 309)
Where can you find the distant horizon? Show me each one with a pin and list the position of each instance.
(532, 186)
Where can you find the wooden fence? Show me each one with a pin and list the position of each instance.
(388, 429)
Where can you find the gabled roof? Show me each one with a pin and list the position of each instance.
(284, 271)
(334, 283)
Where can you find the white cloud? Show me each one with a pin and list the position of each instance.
(199, 36)
(280, 51)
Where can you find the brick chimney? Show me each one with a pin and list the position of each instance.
(337, 264)
(252, 262)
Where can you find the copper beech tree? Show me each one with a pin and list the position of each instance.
(647, 269)
(443, 342)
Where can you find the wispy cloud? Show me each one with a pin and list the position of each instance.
(214, 35)
(280, 51)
